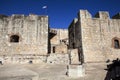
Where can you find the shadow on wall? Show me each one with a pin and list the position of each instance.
(113, 70)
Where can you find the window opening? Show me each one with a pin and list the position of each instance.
(116, 43)
(54, 49)
(14, 38)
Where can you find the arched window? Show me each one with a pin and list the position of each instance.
(116, 43)
(14, 38)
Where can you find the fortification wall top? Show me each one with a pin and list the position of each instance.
(84, 14)
(102, 15)
(117, 16)
(21, 16)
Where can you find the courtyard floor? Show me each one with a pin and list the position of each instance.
(49, 72)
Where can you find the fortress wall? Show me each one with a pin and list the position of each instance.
(61, 34)
(97, 34)
(32, 31)
(60, 41)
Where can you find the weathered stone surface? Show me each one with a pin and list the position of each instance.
(59, 43)
(74, 56)
(23, 35)
(58, 58)
(27, 38)
(61, 35)
(22, 59)
(95, 36)
(61, 48)
(32, 33)
(76, 71)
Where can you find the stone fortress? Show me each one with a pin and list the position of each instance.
(29, 39)
(96, 38)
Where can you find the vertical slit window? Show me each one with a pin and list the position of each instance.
(54, 49)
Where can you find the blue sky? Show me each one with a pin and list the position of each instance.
(60, 12)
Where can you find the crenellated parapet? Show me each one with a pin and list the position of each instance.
(22, 16)
(2, 16)
(117, 16)
(95, 37)
(84, 14)
(101, 15)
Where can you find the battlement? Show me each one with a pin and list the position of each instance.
(102, 15)
(34, 17)
(82, 14)
(22, 16)
(117, 16)
(2, 16)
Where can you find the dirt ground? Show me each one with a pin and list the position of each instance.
(48, 72)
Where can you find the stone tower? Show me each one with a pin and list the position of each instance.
(97, 38)
(23, 35)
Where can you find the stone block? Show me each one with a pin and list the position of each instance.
(76, 71)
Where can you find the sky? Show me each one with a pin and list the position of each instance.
(60, 12)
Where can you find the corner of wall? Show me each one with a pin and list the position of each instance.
(84, 14)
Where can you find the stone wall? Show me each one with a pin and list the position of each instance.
(97, 36)
(61, 48)
(76, 71)
(61, 34)
(23, 59)
(58, 58)
(25, 39)
(59, 43)
(31, 32)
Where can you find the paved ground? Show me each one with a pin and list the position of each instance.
(48, 72)
(95, 71)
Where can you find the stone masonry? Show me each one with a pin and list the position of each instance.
(58, 47)
(97, 38)
(23, 36)
(59, 42)
(28, 39)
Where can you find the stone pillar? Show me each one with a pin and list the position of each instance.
(74, 58)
